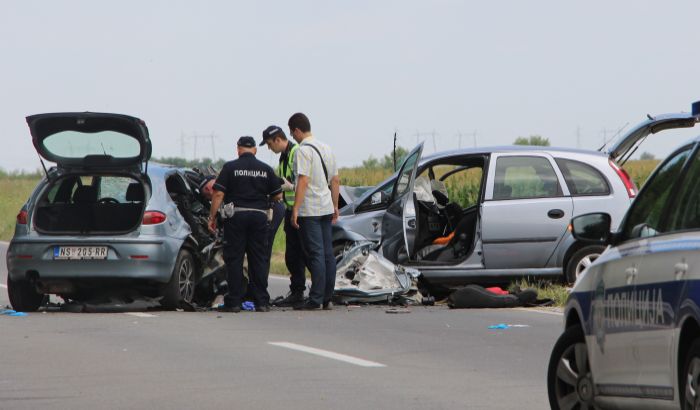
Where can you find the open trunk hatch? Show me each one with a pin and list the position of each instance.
(88, 140)
(624, 147)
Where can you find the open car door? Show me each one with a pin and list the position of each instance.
(399, 224)
(91, 141)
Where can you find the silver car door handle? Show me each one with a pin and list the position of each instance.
(680, 269)
(631, 274)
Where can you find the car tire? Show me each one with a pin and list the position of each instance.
(580, 260)
(182, 282)
(569, 379)
(689, 394)
(23, 296)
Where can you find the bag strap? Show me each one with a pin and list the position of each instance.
(325, 171)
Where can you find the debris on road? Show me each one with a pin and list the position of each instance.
(505, 326)
(10, 312)
(477, 297)
(398, 310)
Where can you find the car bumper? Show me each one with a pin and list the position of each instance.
(142, 259)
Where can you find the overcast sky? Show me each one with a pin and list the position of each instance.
(359, 69)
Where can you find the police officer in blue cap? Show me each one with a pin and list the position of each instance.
(246, 186)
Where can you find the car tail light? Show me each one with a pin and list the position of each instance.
(153, 217)
(625, 177)
(22, 217)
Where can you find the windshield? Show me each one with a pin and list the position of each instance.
(75, 144)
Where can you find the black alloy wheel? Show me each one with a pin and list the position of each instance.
(569, 380)
(182, 283)
(690, 378)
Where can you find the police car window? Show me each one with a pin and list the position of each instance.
(525, 177)
(645, 216)
(685, 210)
(582, 179)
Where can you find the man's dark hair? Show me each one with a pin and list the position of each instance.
(300, 121)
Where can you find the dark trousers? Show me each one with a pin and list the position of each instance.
(317, 237)
(294, 255)
(278, 212)
(246, 234)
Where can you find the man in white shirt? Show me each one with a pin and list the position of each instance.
(315, 209)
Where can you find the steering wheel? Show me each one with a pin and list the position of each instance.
(107, 200)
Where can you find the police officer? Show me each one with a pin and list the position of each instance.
(246, 186)
(294, 258)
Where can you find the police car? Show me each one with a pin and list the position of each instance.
(632, 321)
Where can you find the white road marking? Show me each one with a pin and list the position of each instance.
(546, 312)
(140, 314)
(3, 286)
(328, 354)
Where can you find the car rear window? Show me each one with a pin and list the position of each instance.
(76, 144)
(582, 179)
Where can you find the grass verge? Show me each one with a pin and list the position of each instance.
(546, 290)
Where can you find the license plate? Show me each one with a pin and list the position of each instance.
(80, 252)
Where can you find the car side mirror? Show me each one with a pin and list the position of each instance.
(379, 197)
(593, 227)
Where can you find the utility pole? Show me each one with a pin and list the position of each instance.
(459, 136)
(434, 146)
(182, 144)
(578, 136)
(213, 149)
(196, 139)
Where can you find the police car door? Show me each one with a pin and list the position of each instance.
(634, 324)
(666, 258)
(399, 224)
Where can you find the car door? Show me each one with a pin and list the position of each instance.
(666, 258)
(525, 212)
(399, 225)
(368, 214)
(632, 318)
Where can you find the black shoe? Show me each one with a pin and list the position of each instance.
(263, 308)
(292, 298)
(327, 305)
(229, 309)
(308, 305)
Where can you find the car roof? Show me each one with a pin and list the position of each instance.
(506, 149)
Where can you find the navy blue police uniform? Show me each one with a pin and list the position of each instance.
(249, 184)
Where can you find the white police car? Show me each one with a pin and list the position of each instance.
(632, 321)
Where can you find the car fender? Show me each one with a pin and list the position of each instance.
(573, 307)
(346, 235)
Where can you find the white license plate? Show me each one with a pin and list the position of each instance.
(80, 252)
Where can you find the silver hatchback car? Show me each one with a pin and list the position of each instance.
(488, 215)
(103, 222)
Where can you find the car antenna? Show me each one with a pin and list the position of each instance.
(394, 152)
(104, 151)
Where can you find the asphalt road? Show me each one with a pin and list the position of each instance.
(430, 358)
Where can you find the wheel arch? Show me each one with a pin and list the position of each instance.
(689, 332)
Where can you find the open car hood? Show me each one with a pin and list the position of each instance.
(91, 140)
(624, 147)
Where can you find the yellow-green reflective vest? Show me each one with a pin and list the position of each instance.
(285, 170)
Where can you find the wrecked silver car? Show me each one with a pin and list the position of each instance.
(103, 223)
